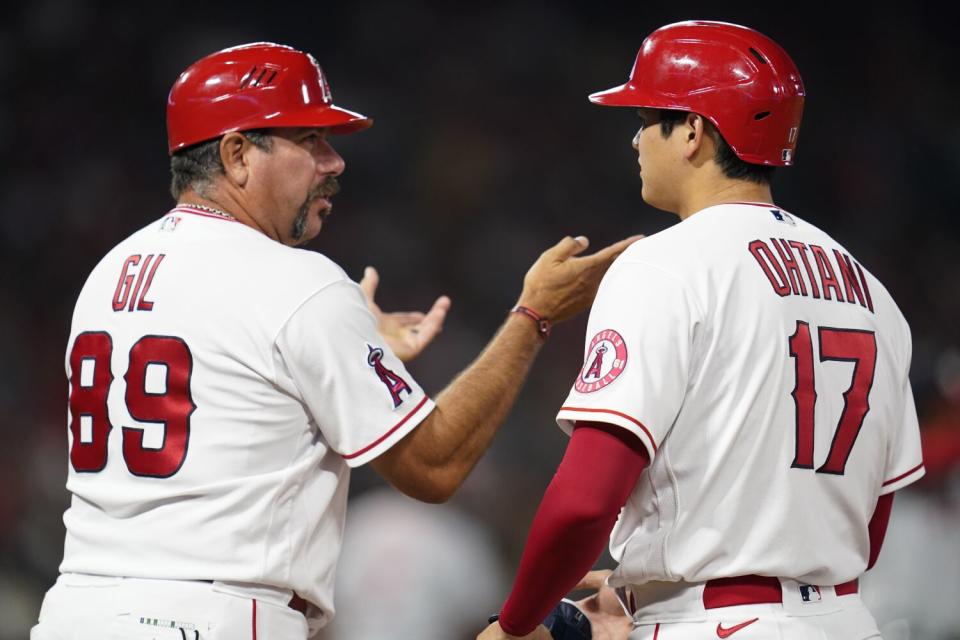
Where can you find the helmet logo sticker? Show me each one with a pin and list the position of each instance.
(324, 86)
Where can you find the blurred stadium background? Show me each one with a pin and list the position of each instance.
(484, 152)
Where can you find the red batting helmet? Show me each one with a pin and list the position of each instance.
(739, 79)
(250, 87)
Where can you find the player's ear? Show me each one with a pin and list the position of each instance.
(695, 133)
(234, 154)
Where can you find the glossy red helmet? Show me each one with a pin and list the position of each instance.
(739, 79)
(250, 87)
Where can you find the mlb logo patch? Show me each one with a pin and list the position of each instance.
(170, 223)
(810, 593)
(783, 216)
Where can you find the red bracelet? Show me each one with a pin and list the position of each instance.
(543, 325)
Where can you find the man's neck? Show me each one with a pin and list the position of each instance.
(221, 203)
(724, 191)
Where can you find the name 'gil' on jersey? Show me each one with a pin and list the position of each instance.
(133, 271)
(782, 269)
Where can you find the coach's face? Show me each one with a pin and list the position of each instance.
(293, 182)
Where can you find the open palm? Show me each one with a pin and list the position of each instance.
(407, 332)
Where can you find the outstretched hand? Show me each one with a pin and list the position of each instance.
(560, 284)
(607, 618)
(407, 332)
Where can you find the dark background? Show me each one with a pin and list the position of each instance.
(485, 151)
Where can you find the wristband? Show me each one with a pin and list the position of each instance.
(543, 325)
(568, 622)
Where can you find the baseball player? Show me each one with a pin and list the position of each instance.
(743, 414)
(223, 382)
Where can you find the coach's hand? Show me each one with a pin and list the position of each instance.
(559, 285)
(496, 632)
(407, 332)
(608, 621)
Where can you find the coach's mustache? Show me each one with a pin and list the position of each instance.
(329, 187)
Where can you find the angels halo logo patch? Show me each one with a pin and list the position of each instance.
(606, 360)
(394, 383)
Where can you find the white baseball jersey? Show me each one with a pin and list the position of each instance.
(221, 387)
(765, 370)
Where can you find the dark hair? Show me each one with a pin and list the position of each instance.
(730, 164)
(195, 166)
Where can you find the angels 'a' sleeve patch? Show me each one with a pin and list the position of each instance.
(361, 397)
(606, 360)
(394, 383)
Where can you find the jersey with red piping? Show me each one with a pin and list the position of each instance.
(765, 370)
(280, 398)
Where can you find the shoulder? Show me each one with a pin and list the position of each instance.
(312, 267)
(654, 273)
(263, 264)
(289, 278)
(670, 251)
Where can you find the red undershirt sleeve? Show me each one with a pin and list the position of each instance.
(600, 468)
(878, 526)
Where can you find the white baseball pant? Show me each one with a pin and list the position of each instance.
(83, 607)
(678, 611)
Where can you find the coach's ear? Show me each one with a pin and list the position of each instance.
(234, 150)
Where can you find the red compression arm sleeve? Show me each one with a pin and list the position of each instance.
(599, 470)
(878, 527)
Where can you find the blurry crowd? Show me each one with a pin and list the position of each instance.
(484, 152)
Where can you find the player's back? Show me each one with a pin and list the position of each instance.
(190, 458)
(787, 413)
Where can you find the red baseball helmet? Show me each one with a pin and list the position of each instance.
(739, 79)
(249, 87)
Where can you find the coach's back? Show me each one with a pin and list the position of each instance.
(211, 436)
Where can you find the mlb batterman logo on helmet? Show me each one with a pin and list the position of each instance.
(606, 360)
(279, 86)
(739, 79)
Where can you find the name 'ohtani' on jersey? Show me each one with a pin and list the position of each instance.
(781, 265)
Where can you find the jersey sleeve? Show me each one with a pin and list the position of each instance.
(358, 392)
(904, 463)
(639, 348)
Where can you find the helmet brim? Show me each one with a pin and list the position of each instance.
(628, 95)
(336, 120)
